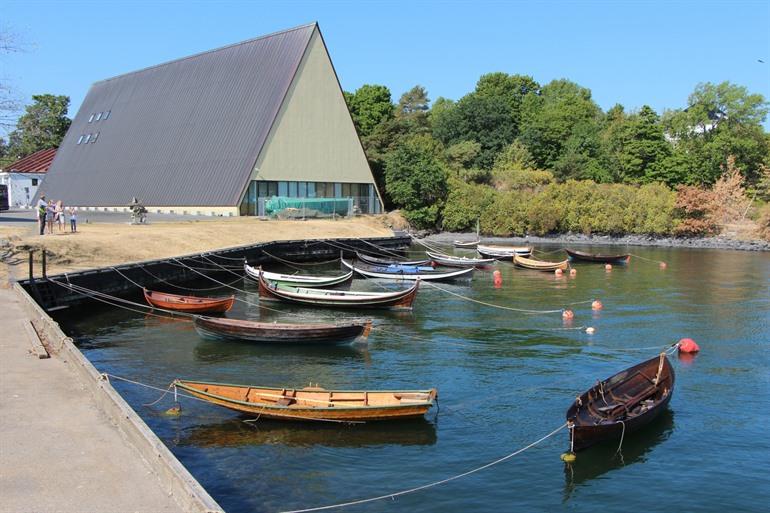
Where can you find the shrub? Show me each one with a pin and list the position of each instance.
(520, 179)
(506, 215)
(695, 208)
(465, 205)
(651, 210)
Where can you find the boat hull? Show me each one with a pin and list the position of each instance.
(503, 252)
(621, 404)
(342, 281)
(402, 299)
(376, 272)
(597, 258)
(314, 403)
(466, 245)
(539, 265)
(275, 333)
(460, 262)
(385, 261)
(188, 304)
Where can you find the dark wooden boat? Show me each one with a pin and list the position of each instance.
(539, 265)
(270, 332)
(503, 252)
(405, 272)
(599, 258)
(621, 404)
(314, 403)
(389, 261)
(455, 261)
(466, 245)
(400, 299)
(189, 304)
(299, 280)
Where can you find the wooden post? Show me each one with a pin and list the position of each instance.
(31, 266)
(45, 271)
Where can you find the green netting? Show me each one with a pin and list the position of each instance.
(327, 206)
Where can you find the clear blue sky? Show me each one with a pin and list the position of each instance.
(632, 53)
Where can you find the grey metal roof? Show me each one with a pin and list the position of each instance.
(187, 132)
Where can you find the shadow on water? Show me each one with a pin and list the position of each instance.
(238, 433)
(211, 351)
(603, 458)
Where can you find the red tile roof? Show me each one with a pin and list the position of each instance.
(38, 162)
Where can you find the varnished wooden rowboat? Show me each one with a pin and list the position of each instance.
(599, 258)
(622, 403)
(271, 332)
(314, 403)
(189, 304)
(503, 252)
(401, 299)
(539, 265)
(298, 280)
(405, 272)
(389, 261)
(455, 261)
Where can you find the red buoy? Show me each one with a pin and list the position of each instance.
(573, 272)
(596, 305)
(663, 265)
(497, 278)
(567, 315)
(608, 267)
(558, 272)
(688, 345)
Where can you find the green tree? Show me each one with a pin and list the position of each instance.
(370, 105)
(551, 118)
(42, 126)
(416, 181)
(413, 107)
(510, 88)
(720, 120)
(635, 146)
(486, 120)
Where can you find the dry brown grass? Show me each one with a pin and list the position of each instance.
(103, 244)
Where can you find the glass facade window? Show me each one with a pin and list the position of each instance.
(363, 195)
(283, 188)
(302, 190)
(293, 190)
(80, 139)
(87, 138)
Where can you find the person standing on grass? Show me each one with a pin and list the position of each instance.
(41, 212)
(73, 212)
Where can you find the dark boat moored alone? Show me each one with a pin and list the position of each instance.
(281, 333)
(539, 265)
(599, 258)
(189, 304)
(621, 404)
(314, 403)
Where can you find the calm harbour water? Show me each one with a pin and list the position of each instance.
(505, 379)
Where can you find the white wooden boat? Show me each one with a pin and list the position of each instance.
(455, 261)
(298, 280)
(401, 272)
(503, 252)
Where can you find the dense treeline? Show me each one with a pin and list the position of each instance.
(530, 158)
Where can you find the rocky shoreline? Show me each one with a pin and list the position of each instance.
(625, 240)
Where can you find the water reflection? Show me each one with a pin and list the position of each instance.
(238, 433)
(210, 351)
(604, 457)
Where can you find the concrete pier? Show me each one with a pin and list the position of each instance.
(60, 449)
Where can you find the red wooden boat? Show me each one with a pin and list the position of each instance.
(621, 404)
(189, 304)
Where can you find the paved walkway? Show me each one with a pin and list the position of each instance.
(58, 452)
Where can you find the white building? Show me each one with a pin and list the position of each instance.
(24, 176)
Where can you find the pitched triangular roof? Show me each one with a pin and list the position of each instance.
(186, 132)
(38, 162)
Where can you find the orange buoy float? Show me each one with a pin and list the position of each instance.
(596, 305)
(688, 345)
(573, 272)
(558, 272)
(663, 265)
(608, 267)
(497, 278)
(567, 315)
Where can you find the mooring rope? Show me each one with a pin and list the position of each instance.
(501, 307)
(289, 262)
(435, 483)
(204, 289)
(647, 259)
